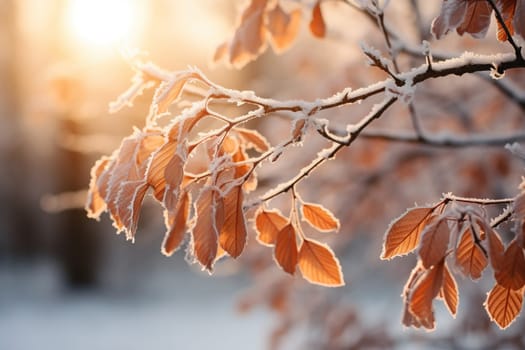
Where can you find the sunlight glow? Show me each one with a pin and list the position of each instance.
(100, 22)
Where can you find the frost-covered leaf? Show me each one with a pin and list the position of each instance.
(233, 234)
(170, 90)
(319, 265)
(208, 223)
(130, 198)
(449, 291)
(254, 139)
(477, 19)
(470, 258)
(250, 36)
(511, 273)
(95, 204)
(404, 233)
(317, 23)
(319, 217)
(434, 243)
(425, 290)
(176, 222)
(283, 27)
(504, 305)
(285, 251)
(268, 223)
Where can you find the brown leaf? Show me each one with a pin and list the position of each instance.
(268, 223)
(130, 198)
(470, 258)
(434, 243)
(169, 91)
(319, 217)
(449, 291)
(254, 139)
(319, 265)
(408, 319)
(404, 233)
(173, 175)
(176, 224)
(95, 204)
(233, 234)
(507, 9)
(250, 37)
(286, 249)
(477, 19)
(156, 171)
(512, 269)
(496, 249)
(450, 17)
(207, 226)
(283, 27)
(504, 305)
(317, 23)
(424, 292)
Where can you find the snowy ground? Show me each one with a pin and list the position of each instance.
(172, 310)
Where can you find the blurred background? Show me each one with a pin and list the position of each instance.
(67, 282)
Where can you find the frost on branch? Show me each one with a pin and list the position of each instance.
(202, 180)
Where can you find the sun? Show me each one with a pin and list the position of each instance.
(100, 22)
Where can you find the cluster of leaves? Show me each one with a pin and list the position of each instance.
(200, 165)
(462, 236)
(266, 21)
(214, 166)
(473, 17)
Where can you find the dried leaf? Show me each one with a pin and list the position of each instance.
(434, 243)
(254, 139)
(470, 258)
(283, 27)
(319, 217)
(176, 224)
(507, 9)
(424, 292)
(250, 37)
(512, 269)
(317, 23)
(268, 224)
(156, 171)
(170, 90)
(519, 15)
(233, 234)
(496, 249)
(286, 249)
(130, 198)
(477, 19)
(95, 204)
(450, 17)
(207, 226)
(504, 305)
(404, 233)
(449, 291)
(319, 265)
(408, 319)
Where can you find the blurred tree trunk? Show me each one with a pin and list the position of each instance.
(17, 210)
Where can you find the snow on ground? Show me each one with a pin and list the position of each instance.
(169, 309)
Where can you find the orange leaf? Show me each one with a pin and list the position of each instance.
(95, 204)
(507, 9)
(169, 91)
(233, 234)
(268, 223)
(425, 290)
(206, 229)
(504, 305)
(250, 37)
(404, 233)
(319, 217)
(477, 19)
(286, 249)
(496, 249)
(512, 269)
(449, 291)
(434, 243)
(469, 256)
(319, 265)
(408, 319)
(130, 198)
(176, 223)
(254, 139)
(283, 27)
(317, 23)
(156, 171)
